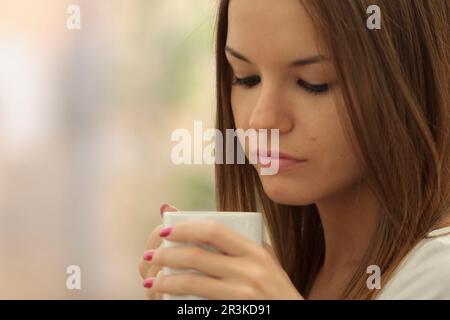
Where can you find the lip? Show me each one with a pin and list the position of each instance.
(284, 160)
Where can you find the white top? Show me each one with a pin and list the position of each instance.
(425, 271)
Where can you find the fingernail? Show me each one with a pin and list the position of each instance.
(161, 209)
(165, 231)
(148, 255)
(148, 283)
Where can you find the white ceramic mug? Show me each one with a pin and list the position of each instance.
(248, 224)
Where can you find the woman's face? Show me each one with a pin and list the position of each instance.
(269, 91)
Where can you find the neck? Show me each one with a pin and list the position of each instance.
(348, 219)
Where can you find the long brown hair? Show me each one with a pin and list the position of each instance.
(400, 74)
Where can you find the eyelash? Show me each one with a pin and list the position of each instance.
(252, 81)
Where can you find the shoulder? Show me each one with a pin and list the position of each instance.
(425, 271)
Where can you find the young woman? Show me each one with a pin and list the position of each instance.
(369, 113)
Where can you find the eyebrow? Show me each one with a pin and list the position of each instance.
(296, 63)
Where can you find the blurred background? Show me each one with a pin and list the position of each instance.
(85, 123)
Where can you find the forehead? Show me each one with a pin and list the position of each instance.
(271, 30)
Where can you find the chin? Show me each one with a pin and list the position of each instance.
(282, 193)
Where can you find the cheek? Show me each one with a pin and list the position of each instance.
(340, 162)
(338, 150)
(332, 169)
(238, 116)
(336, 166)
(332, 143)
(333, 165)
(242, 105)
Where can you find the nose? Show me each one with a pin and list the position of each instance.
(270, 111)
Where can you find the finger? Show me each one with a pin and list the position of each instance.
(154, 240)
(166, 208)
(148, 270)
(212, 233)
(151, 294)
(270, 249)
(205, 261)
(190, 283)
(143, 268)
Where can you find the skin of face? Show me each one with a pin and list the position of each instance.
(270, 35)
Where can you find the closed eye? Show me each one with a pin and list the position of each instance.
(313, 88)
(250, 82)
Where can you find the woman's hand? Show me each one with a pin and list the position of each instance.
(154, 241)
(242, 270)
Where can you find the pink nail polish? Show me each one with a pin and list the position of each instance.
(148, 255)
(165, 232)
(148, 283)
(161, 209)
